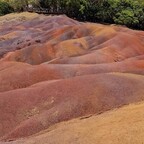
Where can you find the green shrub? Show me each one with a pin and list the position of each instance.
(126, 17)
(5, 8)
(123, 12)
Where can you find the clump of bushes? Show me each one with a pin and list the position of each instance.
(5, 8)
(124, 12)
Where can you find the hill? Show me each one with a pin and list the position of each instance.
(120, 126)
(55, 69)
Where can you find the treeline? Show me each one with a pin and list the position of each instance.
(123, 12)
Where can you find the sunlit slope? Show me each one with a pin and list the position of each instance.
(120, 126)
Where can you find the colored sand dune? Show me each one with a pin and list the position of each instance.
(54, 69)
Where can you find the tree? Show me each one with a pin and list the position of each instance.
(5, 8)
(22, 5)
(126, 17)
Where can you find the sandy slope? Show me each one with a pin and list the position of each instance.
(120, 126)
(54, 69)
(15, 18)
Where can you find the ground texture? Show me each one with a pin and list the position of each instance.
(59, 77)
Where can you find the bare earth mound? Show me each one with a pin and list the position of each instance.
(54, 69)
(122, 126)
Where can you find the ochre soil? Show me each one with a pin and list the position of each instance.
(120, 126)
(55, 69)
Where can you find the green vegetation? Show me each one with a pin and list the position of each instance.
(5, 8)
(123, 12)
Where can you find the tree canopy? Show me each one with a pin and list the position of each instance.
(5, 8)
(123, 12)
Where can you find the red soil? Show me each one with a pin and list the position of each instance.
(54, 69)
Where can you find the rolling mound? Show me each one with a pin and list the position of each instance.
(120, 126)
(54, 69)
